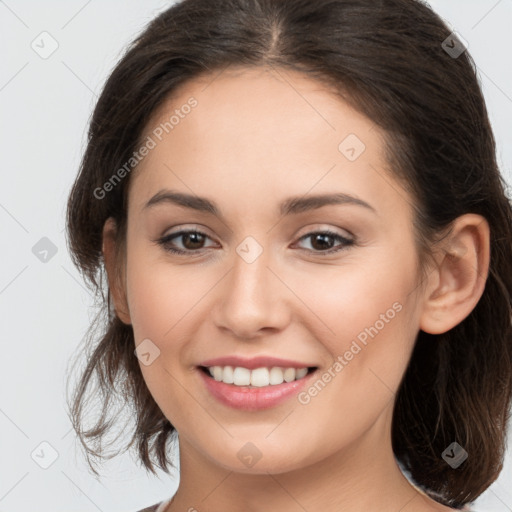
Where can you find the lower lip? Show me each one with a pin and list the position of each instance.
(251, 399)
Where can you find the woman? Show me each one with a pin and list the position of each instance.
(308, 249)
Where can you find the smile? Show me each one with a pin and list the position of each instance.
(257, 389)
(258, 377)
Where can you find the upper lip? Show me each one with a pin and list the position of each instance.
(255, 362)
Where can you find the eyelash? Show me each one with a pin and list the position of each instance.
(165, 241)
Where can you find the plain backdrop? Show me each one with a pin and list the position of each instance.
(45, 103)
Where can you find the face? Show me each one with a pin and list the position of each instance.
(267, 271)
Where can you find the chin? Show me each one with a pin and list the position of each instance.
(260, 458)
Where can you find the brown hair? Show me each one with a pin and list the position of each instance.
(387, 60)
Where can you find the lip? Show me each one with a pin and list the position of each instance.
(255, 362)
(253, 398)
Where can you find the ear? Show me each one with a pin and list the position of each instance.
(458, 279)
(115, 270)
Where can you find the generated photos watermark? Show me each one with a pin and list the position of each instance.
(344, 359)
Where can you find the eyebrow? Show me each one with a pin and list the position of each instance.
(291, 206)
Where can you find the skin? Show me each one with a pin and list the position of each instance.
(256, 138)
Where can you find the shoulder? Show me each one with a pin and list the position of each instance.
(153, 508)
(158, 507)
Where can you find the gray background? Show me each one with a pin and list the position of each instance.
(45, 309)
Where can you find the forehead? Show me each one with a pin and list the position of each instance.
(260, 132)
(264, 101)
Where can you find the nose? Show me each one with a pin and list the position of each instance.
(252, 299)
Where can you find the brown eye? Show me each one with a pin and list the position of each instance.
(191, 241)
(323, 242)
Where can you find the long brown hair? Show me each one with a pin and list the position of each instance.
(387, 59)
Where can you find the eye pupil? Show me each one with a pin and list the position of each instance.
(323, 243)
(198, 237)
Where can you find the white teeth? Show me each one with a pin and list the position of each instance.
(301, 372)
(259, 377)
(241, 376)
(217, 373)
(276, 376)
(289, 374)
(227, 374)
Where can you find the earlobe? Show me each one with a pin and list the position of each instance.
(114, 271)
(459, 277)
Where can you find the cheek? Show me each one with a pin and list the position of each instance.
(374, 321)
(367, 315)
(162, 298)
(160, 295)
(351, 297)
